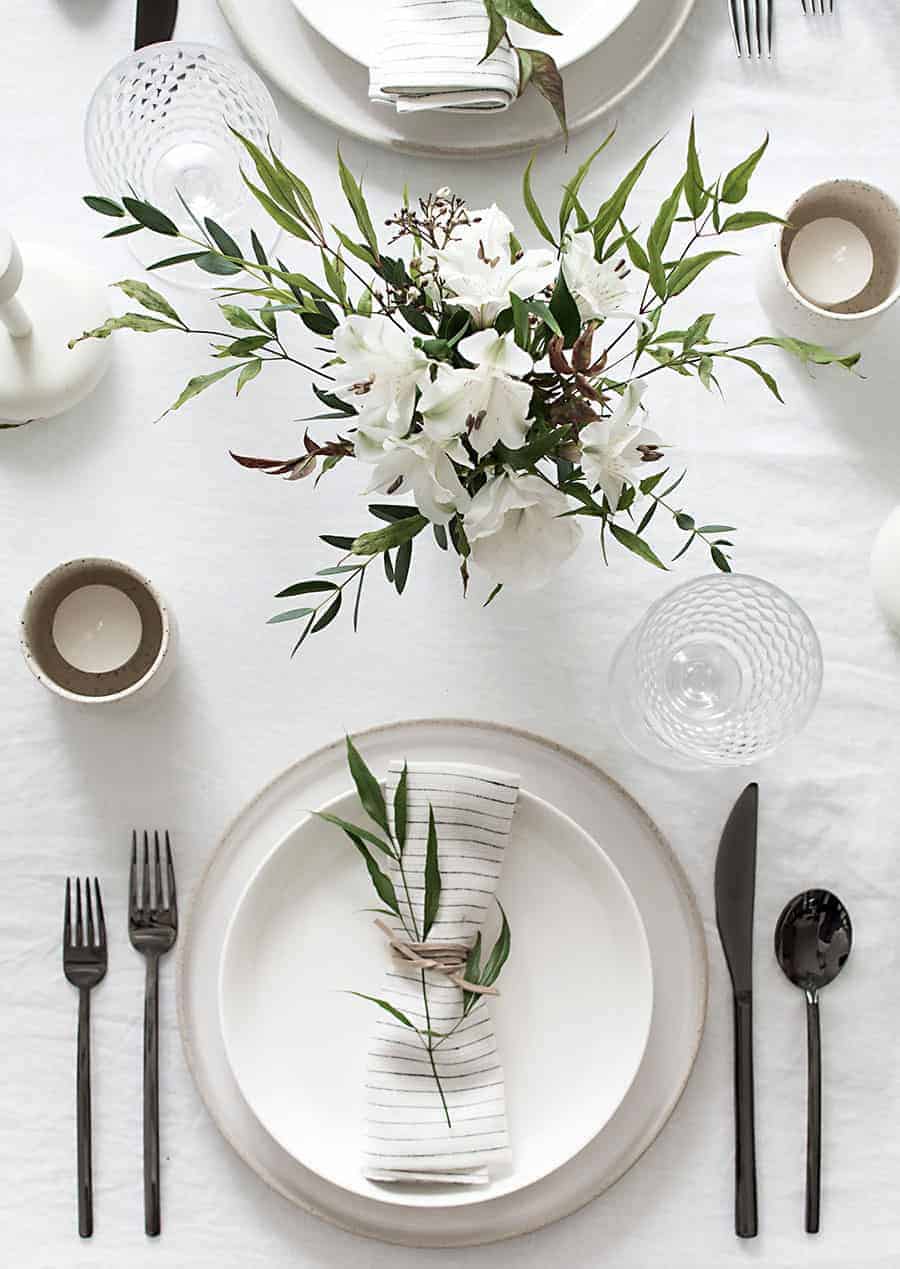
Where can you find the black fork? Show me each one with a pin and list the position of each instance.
(84, 965)
(153, 929)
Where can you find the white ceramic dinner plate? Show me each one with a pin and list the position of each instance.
(572, 1019)
(650, 872)
(355, 26)
(322, 79)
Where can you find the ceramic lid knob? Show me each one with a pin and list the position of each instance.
(10, 266)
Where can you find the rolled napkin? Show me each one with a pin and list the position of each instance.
(432, 55)
(406, 1133)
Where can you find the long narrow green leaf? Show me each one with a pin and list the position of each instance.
(432, 876)
(388, 1008)
(400, 809)
(384, 887)
(499, 953)
(354, 195)
(734, 187)
(354, 830)
(368, 788)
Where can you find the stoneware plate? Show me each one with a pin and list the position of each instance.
(572, 1018)
(333, 86)
(355, 26)
(651, 873)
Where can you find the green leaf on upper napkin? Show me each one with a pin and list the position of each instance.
(383, 1004)
(524, 12)
(400, 808)
(540, 69)
(354, 830)
(368, 788)
(432, 876)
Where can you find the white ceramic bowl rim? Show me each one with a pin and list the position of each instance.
(133, 688)
(866, 313)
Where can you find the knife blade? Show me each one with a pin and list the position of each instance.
(155, 21)
(735, 887)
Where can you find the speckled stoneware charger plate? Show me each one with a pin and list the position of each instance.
(572, 1018)
(311, 71)
(650, 872)
(355, 26)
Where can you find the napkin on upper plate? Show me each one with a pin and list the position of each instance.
(431, 59)
(406, 1132)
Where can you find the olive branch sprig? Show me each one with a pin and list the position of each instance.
(390, 841)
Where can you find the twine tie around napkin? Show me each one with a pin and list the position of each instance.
(431, 59)
(406, 1133)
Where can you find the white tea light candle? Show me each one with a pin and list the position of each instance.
(830, 261)
(97, 629)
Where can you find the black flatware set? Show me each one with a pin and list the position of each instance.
(152, 929)
(813, 938)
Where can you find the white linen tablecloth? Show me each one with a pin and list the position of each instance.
(808, 484)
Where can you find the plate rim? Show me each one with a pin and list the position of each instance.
(232, 12)
(474, 1198)
(594, 771)
(562, 65)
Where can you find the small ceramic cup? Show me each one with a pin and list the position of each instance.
(842, 325)
(96, 632)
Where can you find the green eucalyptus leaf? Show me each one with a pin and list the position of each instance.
(292, 614)
(199, 384)
(524, 12)
(689, 269)
(531, 206)
(212, 262)
(735, 184)
(239, 317)
(635, 544)
(388, 1008)
(329, 614)
(184, 257)
(250, 371)
(354, 830)
(694, 192)
(367, 787)
(105, 206)
(123, 230)
(400, 809)
(151, 217)
(402, 565)
(432, 876)
(127, 321)
(809, 354)
(222, 239)
(148, 298)
(354, 195)
(396, 534)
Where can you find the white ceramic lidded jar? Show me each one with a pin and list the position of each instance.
(868, 210)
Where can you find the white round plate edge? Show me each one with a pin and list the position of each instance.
(234, 13)
(647, 969)
(303, 8)
(617, 1171)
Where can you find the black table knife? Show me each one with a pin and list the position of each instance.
(155, 21)
(735, 893)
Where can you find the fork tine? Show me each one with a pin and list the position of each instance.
(79, 925)
(759, 5)
(132, 879)
(157, 871)
(170, 875)
(733, 15)
(145, 876)
(770, 27)
(101, 920)
(67, 919)
(746, 32)
(89, 906)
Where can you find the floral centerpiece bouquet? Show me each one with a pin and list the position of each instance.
(494, 394)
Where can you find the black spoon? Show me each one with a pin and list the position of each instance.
(813, 938)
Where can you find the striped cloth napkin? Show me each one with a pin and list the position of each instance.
(431, 59)
(406, 1132)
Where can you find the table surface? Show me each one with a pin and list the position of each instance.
(808, 483)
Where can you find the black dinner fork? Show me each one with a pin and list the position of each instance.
(84, 965)
(153, 929)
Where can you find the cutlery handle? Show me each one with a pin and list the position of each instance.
(813, 1114)
(151, 1100)
(745, 1213)
(83, 1102)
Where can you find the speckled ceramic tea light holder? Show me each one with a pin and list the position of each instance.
(96, 632)
(842, 324)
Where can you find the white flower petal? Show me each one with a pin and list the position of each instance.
(501, 352)
(516, 533)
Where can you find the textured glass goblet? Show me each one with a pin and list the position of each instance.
(159, 125)
(719, 672)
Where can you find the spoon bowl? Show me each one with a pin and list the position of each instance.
(813, 938)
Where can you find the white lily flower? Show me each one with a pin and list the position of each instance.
(381, 370)
(611, 448)
(486, 402)
(477, 266)
(515, 530)
(424, 467)
(595, 286)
